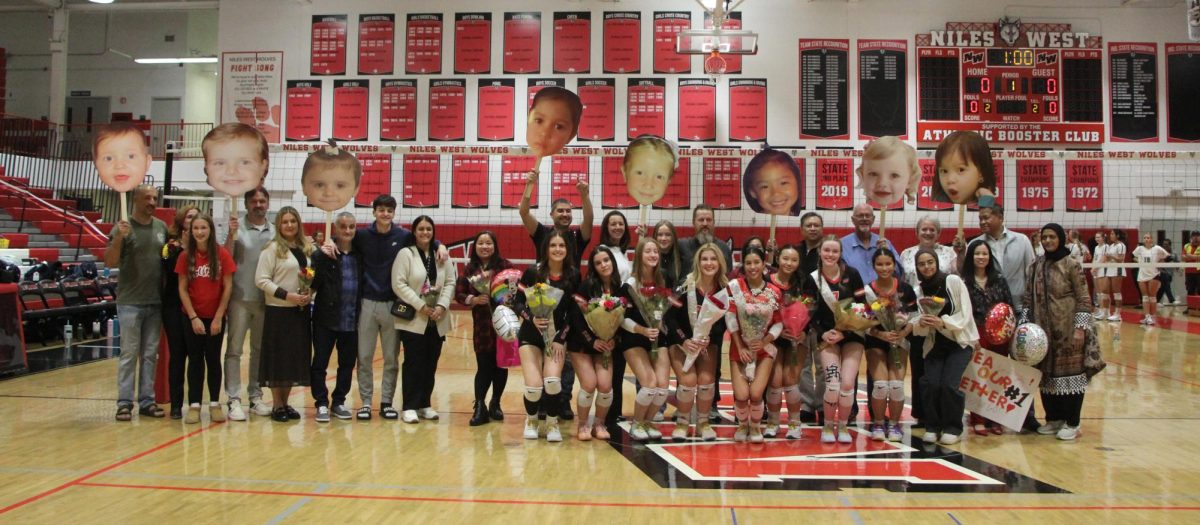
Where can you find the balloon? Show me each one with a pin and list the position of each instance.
(506, 322)
(1000, 324)
(504, 283)
(1029, 344)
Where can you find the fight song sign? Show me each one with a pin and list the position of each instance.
(999, 388)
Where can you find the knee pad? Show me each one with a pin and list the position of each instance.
(706, 392)
(742, 410)
(685, 394)
(533, 394)
(645, 396)
(1101, 296)
(774, 395)
(660, 396)
(1147, 299)
(756, 410)
(846, 398)
(553, 385)
(604, 399)
(880, 390)
(792, 395)
(585, 398)
(896, 389)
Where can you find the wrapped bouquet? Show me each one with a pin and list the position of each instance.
(429, 294)
(542, 299)
(932, 305)
(796, 311)
(306, 279)
(891, 319)
(652, 302)
(703, 317)
(604, 314)
(850, 316)
(481, 283)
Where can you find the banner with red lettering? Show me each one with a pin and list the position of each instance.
(536, 84)
(613, 192)
(350, 109)
(447, 109)
(513, 172)
(469, 181)
(572, 52)
(1085, 188)
(925, 190)
(747, 109)
(472, 43)
(328, 53)
(599, 108)
(697, 109)
(376, 178)
(421, 180)
(398, 109)
(834, 184)
(999, 388)
(522, 43)
(678, 195)
(1035, 185)
(565, 172)
(647, 103)
(722, 182)
(622, 42)
(303, 110)
(496, 104)
(251, 90)
(376, 44)
(667, 25)
(423, 44)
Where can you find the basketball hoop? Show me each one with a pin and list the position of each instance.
(714, 65)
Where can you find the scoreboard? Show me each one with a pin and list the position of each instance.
(1012, 83)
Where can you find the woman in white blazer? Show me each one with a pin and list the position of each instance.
(428, 286)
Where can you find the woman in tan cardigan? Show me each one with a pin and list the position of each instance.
(419, 280)
(287, 342)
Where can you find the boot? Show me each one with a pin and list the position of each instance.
(494, 410)
(480, 415)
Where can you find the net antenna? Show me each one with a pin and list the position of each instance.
(712, 43)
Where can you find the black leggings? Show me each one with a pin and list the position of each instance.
(174, 326)
(1063, 407)
(488, 373)
(204, 351)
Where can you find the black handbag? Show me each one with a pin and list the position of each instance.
(403, 310)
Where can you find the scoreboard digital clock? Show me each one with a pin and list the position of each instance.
(1032, 91)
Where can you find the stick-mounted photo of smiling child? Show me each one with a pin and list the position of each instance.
(771, 183)
(965, 173)
(121, 156)
(235, 158)
(889, 172)
(330, 177)
(648, 167)
(553, 120)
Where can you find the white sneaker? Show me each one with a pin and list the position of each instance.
(553, 434)
(1098, 315)
(259, 408)
(235, 410)
(742, 432)
(828, 435)
(652, 431)
(895, 434)
(878, 433)
(322, 414)
(706, 431)
(658, 417)
(1150, 321)
(930, 437)
(1068, 433)
(771, 430)
(1050, 428)
(638, 431)
(1115, 317)
(428, 413)
(756, 434)
(844, 436)
(1145, 320)
(949, 439)
(531, 427)
(680, 433)
(793, 432)
(409, 416)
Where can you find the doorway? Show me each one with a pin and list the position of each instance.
(83, 115)
(166, 118)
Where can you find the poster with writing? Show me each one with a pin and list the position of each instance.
(599, 108)
(999, 388)
(733, 63)
(398, 109)
(513, 172)
(1133, 91)
(1183, 106)
(421, 180)
(350, 102)
(376, 44)
(723, 182)
(536, 84)
(668, 24)
(572, 39)
(469, 178)
(1035, 185)
(835, 184)
(328, 52)
(447, 109)
(647, 107)
(679, 192)
(252, 90)
(472, 43)
(823, 90)
(423, 44)
(882, 88)
(613, 192)
(697, 109)
(998, 166)
(497, 102)
(522, 43)
(376, 178)
(622, 42)
(1085, 188)
(303, 110)
(925, 190)
(747, 109)
(565, 172)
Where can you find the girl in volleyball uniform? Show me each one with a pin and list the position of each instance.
(702, 290)
(785, 381)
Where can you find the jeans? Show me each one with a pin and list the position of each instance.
(421, 354)
(141, 327)
(324, 340)
(943, 401)
(243, 316)
(376, 321)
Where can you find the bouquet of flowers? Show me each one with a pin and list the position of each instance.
(652, 302)
(853, 317)
(503, 284)
(931, 305)
(481, 283)
(429, 294)
(604, 314)
(891, 319)
(796, 311)
(706, 315)
(542, 299)
(306, 279)
(754, 319)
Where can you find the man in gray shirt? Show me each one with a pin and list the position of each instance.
(246, 305)
(1012, 251)
(135, 247)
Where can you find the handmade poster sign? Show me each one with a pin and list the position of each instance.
(999, 388)
(965, 173)
(888, 174)
(122, 159)
(553, 121)
(330, 179)
(647, 169)
(235, 160)
(772, 185)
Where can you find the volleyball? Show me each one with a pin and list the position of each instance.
(1029, 344)
(506, 322)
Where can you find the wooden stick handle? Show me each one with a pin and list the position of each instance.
(883, 222)
(962, 218)
(124, 207)
(644, 215)
(328, 224)
(772, 237)
(233, 211)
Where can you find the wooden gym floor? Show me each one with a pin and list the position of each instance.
(64, 459)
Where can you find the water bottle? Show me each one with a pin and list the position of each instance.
(68, 333)
(105, 272)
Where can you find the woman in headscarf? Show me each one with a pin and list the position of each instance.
(945, 336)
(1057, 300)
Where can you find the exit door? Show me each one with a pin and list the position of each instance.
(83, 115)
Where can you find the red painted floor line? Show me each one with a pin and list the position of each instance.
(634, 504)
(80, 480)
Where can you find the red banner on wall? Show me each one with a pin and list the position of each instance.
(723, 183)
(447, 109)
(647, 113)
(376, 44)
(497, 98)
(522, 43)
(328, 53)
(421, 180)
(303, 110)
(1035, 185)
(1085, 188)
(834, 184)
(925, 190)
(350, 109)
(747, 109)
(678, 195)
(572, 39)
(565, 172)
(398, 110)
(668, 24)
(513, 172)
(376, 178)
(472, 43)
(599, 112)
(697, 109)
(613, 194)
(423, 44)
(469, 181)
(622, 42)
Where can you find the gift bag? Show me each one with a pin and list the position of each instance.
(507, 355)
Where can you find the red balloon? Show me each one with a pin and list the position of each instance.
(999, 325)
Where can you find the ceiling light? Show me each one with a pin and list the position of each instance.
(189, 60)
(101, 1)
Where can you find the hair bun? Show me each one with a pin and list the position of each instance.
(332, 148)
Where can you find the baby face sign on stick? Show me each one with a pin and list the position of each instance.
(330, 177)
(889, 172)
(965, 174)
(648, 167)
(122, 158)
(235, 158)
(771, 185)
(553, 120)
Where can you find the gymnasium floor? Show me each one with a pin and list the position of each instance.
(63, 459)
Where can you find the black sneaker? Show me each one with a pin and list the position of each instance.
(280, 415)
(176, 412)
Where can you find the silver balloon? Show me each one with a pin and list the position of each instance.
(1029, 344)
(506, 322)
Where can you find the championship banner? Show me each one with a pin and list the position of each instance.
(350, 103)
(722, 183)
(599, 112)
(1035, 185)
(747, 109)
(513, 172)
(622, 42)
(376, 178)
(572, 52)
(999, 388)
(667, 25)
(834, 184)
(1133, 91)
(678, 195)
(882, 88)
(522, 43)
(497, 100)
(824, 102)
(376, 44)
(421, 180)
(423, 44)
(398, 110)
(469, 181)
(565, 172)
(303, 110)
(647, 103)
(252, 90)
(925, 190)
(697, 109)
(1183, 75)
(447, 109)
(614, 194)
(536, 84)
(472, 43)
(328, 54)
(1085, 190)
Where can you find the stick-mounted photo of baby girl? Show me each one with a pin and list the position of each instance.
(889, 173)
(122, 158)
(965, 174)
(330, 179)
(772, 185)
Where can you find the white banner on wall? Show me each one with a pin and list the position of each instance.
(252, 90)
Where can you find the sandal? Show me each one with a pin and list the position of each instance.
(151, 411)
(364, 413)
(389, 412)
(124, 413)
